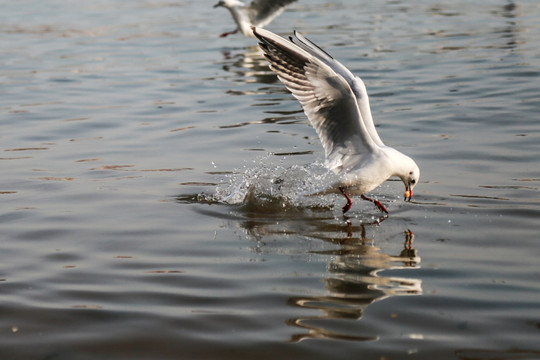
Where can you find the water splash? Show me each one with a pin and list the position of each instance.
(269, 187)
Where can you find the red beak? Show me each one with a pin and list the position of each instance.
(408, 194)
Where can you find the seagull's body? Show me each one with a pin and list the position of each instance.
(337, 105)
(258, 13)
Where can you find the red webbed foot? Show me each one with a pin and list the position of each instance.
(348, 205)
(377, 203)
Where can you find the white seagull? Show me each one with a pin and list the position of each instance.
(337, 105)
(259, 13)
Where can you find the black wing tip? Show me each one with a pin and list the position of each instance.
(258, 36)
(255, 29)
(263, 43)
(312, 43)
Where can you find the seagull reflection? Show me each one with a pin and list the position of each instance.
(248, 65)
(354, 282)
(357, 272)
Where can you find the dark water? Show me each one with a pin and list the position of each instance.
(153, 178)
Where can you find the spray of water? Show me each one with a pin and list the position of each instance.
(269, 187)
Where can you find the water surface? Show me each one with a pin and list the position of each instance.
(153, 179)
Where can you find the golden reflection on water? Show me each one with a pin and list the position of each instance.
(353, 282)
(356, 273)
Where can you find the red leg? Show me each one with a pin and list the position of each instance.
(347, 206)
(377, 203)
(228, 33)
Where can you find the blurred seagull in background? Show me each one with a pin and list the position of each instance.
(259, 13)
(337, 105)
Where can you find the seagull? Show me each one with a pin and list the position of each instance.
(337, 105)
(258, 13)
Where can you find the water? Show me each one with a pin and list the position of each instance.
(152, 198)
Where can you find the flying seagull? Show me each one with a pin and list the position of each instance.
(337, 105)
(259, 13)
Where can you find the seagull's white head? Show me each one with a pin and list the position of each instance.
(228, 3)
(410, 178)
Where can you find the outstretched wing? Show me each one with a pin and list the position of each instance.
(356, 84)
(326, 97)
(262, 12)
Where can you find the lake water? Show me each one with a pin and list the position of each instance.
(151, 197)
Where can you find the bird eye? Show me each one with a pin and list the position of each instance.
(413, 181)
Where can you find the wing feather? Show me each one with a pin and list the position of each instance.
(326, 97)
(262, 12)
(357, 85)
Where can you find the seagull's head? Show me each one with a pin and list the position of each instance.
(410, 179)
(220, 3)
